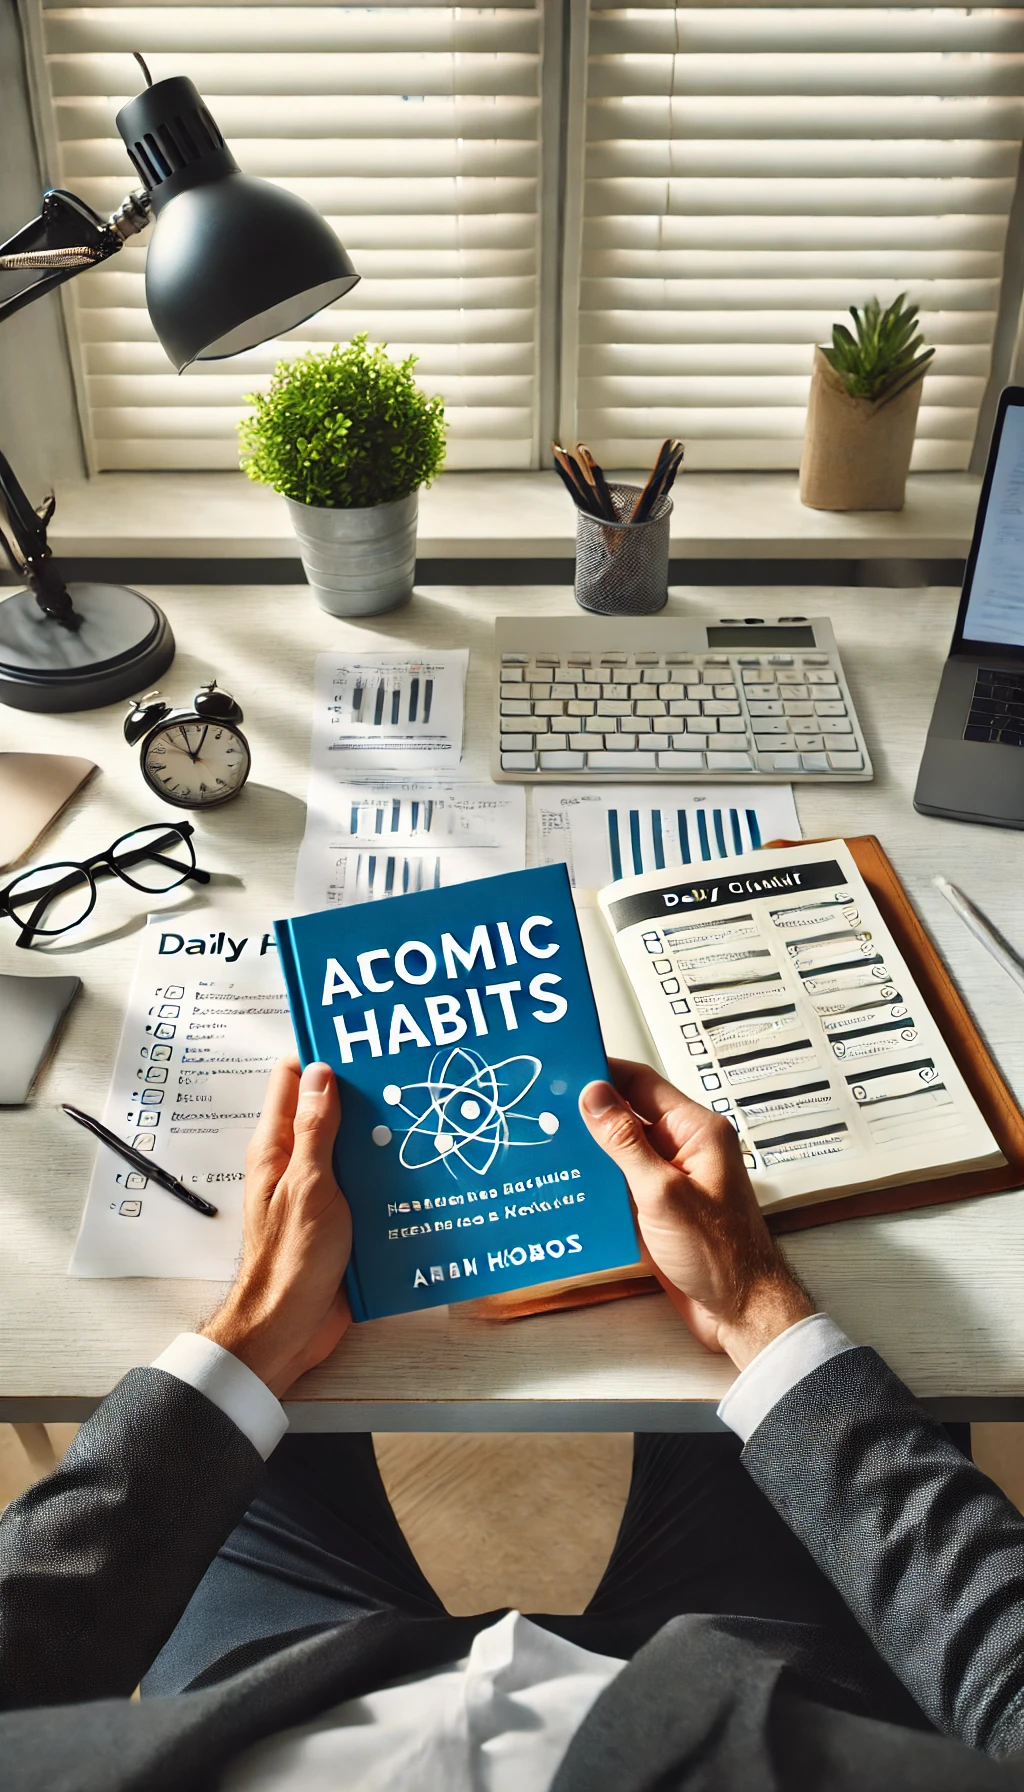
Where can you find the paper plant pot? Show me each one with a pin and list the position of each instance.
(358, 562)
(856, 454)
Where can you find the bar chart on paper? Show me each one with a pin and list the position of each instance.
(391, 826)
(607, 834)
(388, 710)
(390, 701)
(370, 838)
(373, 874)
(649, 839)
(390, 818)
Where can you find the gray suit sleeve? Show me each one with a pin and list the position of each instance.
(926, 1551)
(99, 1560)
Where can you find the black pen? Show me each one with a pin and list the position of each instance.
(144, 1165)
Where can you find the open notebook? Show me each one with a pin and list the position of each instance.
(774, 990)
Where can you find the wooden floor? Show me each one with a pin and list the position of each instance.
(520, 1519)
(524, 1519)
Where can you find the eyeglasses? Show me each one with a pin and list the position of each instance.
(53, 898)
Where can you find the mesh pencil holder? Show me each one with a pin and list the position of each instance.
(623, 570)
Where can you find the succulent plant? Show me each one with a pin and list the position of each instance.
(885, 357)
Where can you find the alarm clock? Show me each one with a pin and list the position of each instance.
(194, 758)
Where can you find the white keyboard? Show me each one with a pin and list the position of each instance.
(669, 697)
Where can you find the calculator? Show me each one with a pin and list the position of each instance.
(615, 698)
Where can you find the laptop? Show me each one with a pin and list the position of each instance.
(973, 764)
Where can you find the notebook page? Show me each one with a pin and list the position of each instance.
(776, 995)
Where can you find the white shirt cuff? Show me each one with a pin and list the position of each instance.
(777, 1368)
(241, 1395)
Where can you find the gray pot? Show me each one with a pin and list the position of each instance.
(358, 562)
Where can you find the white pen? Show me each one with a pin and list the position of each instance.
(983, 931)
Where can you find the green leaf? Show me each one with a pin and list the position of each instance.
(344, 428)
(883, 357)
(916, 371)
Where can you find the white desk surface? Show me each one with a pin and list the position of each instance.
(939, 1292)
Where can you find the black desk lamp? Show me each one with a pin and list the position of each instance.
(233, 261)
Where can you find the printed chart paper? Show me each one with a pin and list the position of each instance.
(207, 1020)
(615, 831)
(369, 838)
(388, 711)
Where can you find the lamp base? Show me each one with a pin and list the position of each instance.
(123, 645)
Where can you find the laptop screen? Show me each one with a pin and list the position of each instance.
(995, 605)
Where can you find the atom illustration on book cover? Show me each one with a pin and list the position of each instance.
(468, 1110)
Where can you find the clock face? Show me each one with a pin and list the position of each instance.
(195, 763)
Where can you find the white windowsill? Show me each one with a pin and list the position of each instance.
(511, 516)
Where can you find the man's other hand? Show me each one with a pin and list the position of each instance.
(287, 1309)
(699, 1221)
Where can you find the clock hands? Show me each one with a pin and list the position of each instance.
(202, 738)
(193, 756)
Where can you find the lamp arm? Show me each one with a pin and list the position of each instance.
(65, 239)
(31, 555)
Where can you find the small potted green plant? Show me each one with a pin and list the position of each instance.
(862, 413)
(348, 437)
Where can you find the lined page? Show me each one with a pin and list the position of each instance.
(776, 995)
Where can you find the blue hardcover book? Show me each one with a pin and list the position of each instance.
(461, 1026)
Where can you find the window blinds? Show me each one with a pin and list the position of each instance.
(414, 129)
(750, 173)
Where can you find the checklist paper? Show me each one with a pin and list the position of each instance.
(388, 711)
(366, 839)
(774, 992)
(207, 1020)
(614, 831)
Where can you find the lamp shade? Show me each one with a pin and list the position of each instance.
(233, 260)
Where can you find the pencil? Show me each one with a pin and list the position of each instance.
(667, 480)
(983, 931)
(597, 482)
(570, 486)
(585, 497)
(643, 501)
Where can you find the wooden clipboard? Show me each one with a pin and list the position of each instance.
(967, 1047)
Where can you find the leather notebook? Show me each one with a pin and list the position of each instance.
(34, 789)
(967, 1048)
